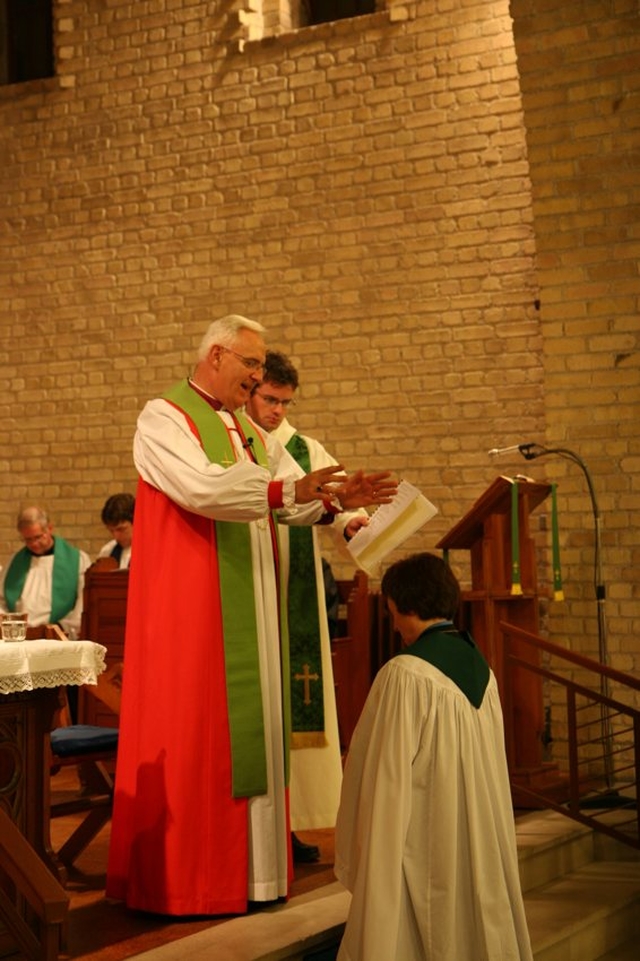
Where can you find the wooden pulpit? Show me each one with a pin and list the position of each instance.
(486, 532)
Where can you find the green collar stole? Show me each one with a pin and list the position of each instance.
(455, 654)
(235, 562)
(66, 568)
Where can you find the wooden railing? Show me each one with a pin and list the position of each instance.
(595, 736)
(33, 905)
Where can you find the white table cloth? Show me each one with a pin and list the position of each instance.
(27, 665)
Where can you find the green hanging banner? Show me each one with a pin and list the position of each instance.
(516, 587)
(558, 593)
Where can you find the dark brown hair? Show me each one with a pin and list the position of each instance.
(424, 585)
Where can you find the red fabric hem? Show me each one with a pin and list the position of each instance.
(171, 909)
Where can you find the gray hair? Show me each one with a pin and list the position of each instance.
(32, 515)
(225, 331)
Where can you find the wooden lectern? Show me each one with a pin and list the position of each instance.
(486, 531)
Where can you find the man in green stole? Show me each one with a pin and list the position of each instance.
(200, 823)
(316, 767)
(46, 577)
(425, 837)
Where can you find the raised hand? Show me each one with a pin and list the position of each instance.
(364, 490)
(319, 484)
(351, 490)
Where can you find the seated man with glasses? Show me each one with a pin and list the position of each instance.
(316, 767)
(45, 578)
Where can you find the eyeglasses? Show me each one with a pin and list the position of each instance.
(251, 363)
(40, 538)
(272, 401)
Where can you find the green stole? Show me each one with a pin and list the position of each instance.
(235, 564)
(455, 654)
(64, 590)
(307, 705)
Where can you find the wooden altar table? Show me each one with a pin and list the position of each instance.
(31, 674)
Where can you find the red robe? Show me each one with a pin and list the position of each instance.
(174, 760)
(179, 839)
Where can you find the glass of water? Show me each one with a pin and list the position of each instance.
(14, 626)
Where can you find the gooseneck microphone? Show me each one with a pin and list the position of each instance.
(524, 449)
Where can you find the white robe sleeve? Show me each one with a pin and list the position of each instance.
(169, 457)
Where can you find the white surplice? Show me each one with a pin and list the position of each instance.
(125, 555)
(425, 838)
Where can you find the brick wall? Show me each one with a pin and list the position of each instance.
(580, 79)
(362, 188)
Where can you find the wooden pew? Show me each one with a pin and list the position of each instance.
(103, 620)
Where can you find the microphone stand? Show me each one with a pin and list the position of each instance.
(532, 452)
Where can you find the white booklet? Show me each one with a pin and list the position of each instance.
(389, 526)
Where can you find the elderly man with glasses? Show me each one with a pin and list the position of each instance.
(316, 765)
(45, 578)
(200, 823)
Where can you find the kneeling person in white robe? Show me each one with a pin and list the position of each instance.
(425, 837)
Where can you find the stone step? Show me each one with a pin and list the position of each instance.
(581, 916)
(551, 845)
(578, 908)
(288, 932)
(625, 952)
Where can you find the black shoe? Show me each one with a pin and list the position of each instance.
(304, 853)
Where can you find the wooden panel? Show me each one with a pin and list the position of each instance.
(103, 620)
(351, 655)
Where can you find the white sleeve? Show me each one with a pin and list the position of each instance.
(169, 457)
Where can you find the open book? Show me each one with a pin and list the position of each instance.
(389, 526)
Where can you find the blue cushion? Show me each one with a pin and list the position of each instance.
(83, 739)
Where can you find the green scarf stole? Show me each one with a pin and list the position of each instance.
(455, 654)
(242, 667)
(307, 704)
(64, 589)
